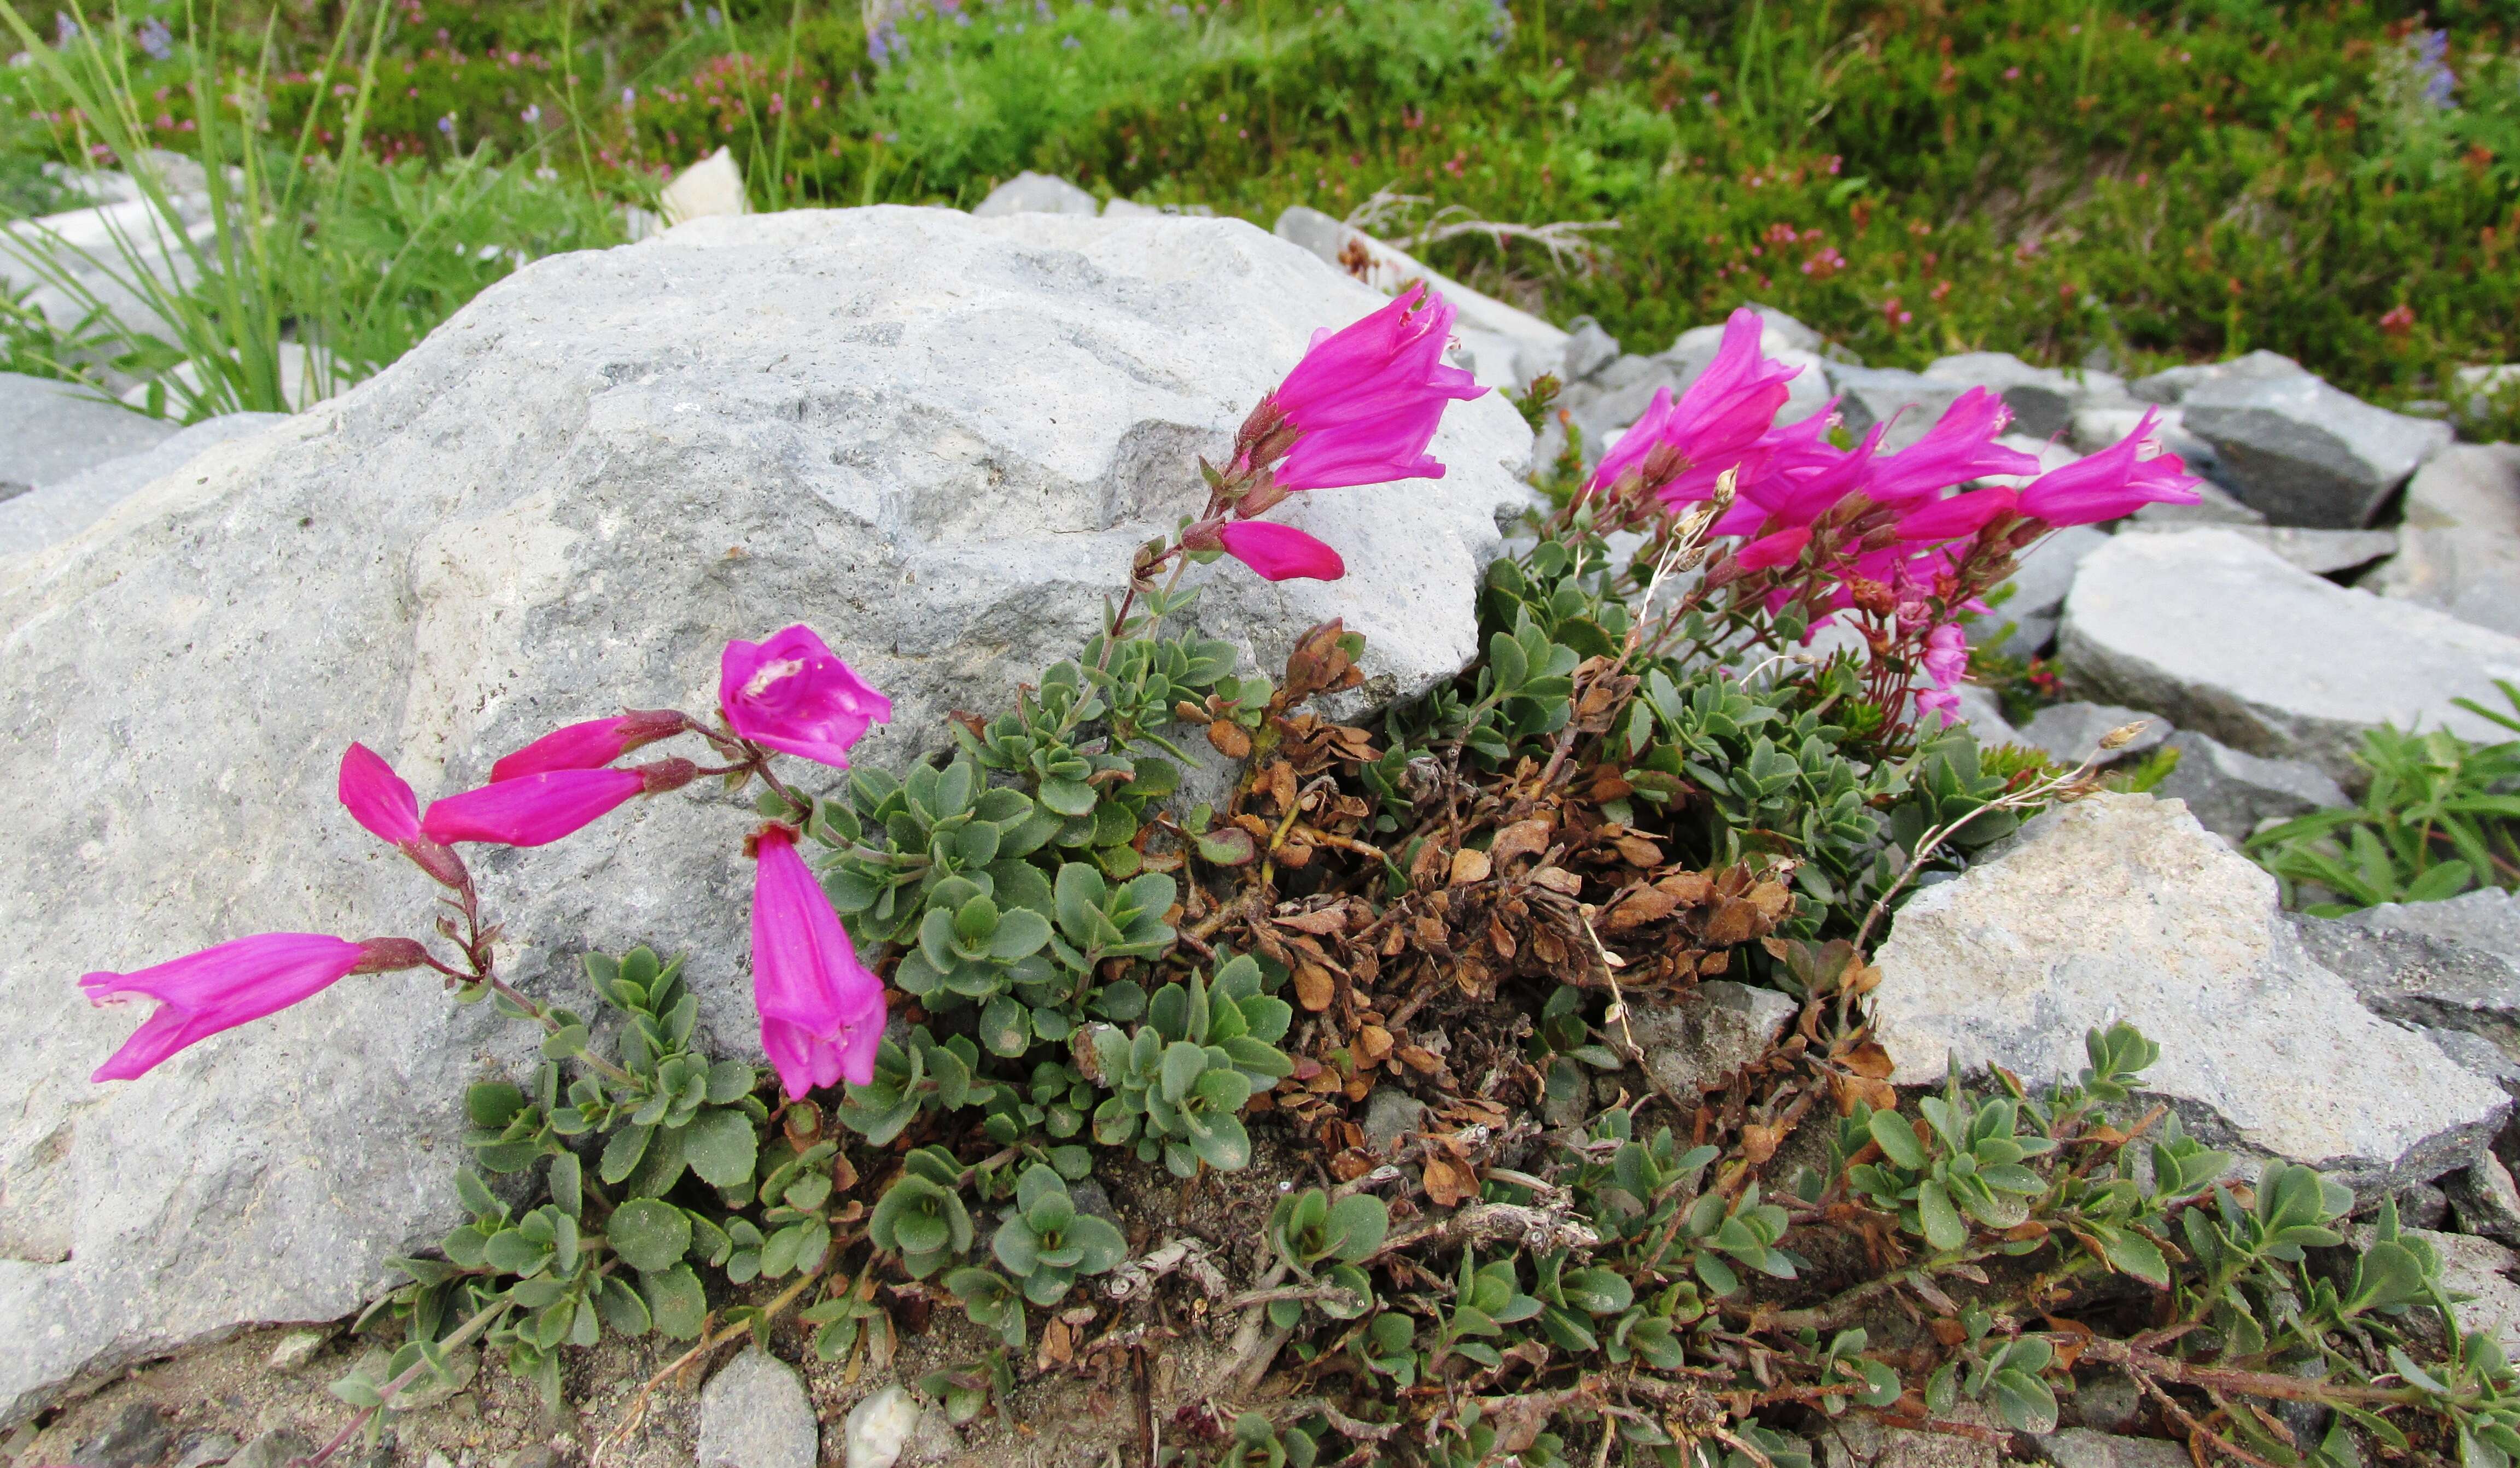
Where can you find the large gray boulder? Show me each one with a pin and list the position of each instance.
(2459, 549)
(933, 438)
(64, 508)
(2221, 635)
(53, 430)
(2123, 907)
(2040, 582)
(2305, 453)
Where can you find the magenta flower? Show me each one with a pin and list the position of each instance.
(822, 1010)
(2114, 482)
(1279, 553)
(1946, 663)
(793, 693)
(1715, 424)
(590, 746)
(1958, 516)
(536, 810)
(221, 988)
(1365, 401)
(1959, 447)
(1779, 548)
(377, 798)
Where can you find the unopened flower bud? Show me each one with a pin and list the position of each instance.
(1870, 596)
(1202, 536)
(1261, 496)
(386, 955)
(666, 775)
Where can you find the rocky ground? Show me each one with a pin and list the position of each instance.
(568, 496)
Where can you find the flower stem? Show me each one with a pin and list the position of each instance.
(464, 1333)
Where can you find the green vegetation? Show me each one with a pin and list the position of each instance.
(2155, 180)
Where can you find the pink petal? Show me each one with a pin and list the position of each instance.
(822, 1010)
(377, 798)
(531, 810)
(590, 746)
(1280, 553)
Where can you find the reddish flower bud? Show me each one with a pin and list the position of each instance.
(591, 746)
(389, 954)
(666, 775)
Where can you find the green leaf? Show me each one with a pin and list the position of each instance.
(1896, 1136)
(721, 1145)
(493, 1103)
(1222, 1143)
(676, 1301)
(1943, 1228)
(649, 1234)
(2134, 1254)
(622, 1151)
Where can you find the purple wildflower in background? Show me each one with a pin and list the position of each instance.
(156, 40)
(2432, 48)
(446, 124)
(63, 30)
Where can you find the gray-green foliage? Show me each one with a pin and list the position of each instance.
(1178, 1082)
(1043, 1247)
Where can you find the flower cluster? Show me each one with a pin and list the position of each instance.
(1906, 541)
(822, 1010)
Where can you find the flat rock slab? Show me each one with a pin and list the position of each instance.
(933, 438)
(64, 508)
(2454, 963)
(50, 431)
(2305, 453)
(2122, 907)
(2231, 793)
(1701, 1040)
(2459, 547)
(2221, 635)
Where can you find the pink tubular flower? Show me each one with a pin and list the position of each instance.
(822, 1010)
(791, 693)
(220, 987)
(2114, 482)
(1365, 401)
(1959, 447)
(377, 798)
(1781, 548)
(535, 810)
(1714, 426)
(1279, 553)
(1960, 514)
(590, 746)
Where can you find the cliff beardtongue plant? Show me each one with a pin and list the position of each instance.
(822, 1010)
(220, 987)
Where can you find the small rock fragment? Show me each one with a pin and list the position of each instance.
(1701, 1040)
(2459, 547)
(2484, 1201)
(1588, 350)
(296, 1348)
(1391, 1114)
(272, 1449)
(880, 1426)
(2305, 453)
(2082, 1448)
(2221, 635)
(139, 1435)
(2481, 1267)
(2171, 386)
(1030, 193)
(713, 185)
(205, 1450)
(754, 1415)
